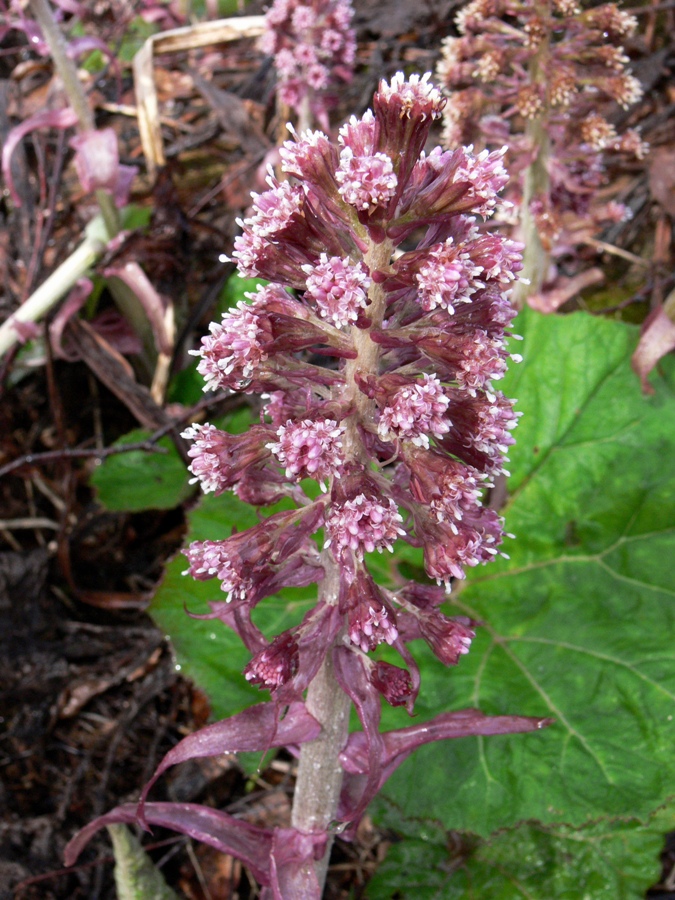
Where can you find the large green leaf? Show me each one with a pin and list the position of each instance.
(138, 480)
(578, 624)
(603, 861)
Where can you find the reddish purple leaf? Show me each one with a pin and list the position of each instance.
(97, 163)
(25, 331)
(249, 843)
(399, 744)
(97, 159)
(50, 118)
(256, 728)
(292, 872)
(238, 618)
(122, 189)
(351, 676)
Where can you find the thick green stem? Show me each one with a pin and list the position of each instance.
(51, 291)
(76, 96)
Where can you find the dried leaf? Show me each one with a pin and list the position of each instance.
(662, 177)
(656, 339)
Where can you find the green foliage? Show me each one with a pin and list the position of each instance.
(137, 480)
(136, 877)
(578, 623)
(136, 34)
(135, 217)
(197, 9)
(603, 861)
(235, 289)
(186, 387)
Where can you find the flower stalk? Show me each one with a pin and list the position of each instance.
(76, 97)
(319, 780)
(331, 233)
(536, 184)
(539, 78)
(375, 346)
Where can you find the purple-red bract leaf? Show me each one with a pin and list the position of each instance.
(97, 159)
(353, 680)
(317, 632)
(238, 618)
(656, 339)
(135, 278)
(399, 744)
(249, 843)
(75, 301)
(256, 728)
(51, 118)
(292, 872)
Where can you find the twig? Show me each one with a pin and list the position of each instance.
(29, 522)
(613, 250)
(149, 445)
(48, 456)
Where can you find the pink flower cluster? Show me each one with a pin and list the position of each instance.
(313, 46)
(404, 301)
(554, 63)
(378, 267)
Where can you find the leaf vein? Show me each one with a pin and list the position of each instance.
(604, 657)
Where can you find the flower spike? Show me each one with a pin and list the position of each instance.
(379, 425)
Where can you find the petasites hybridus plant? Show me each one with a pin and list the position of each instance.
(313, 46)
(540, 77)
(392, 284)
